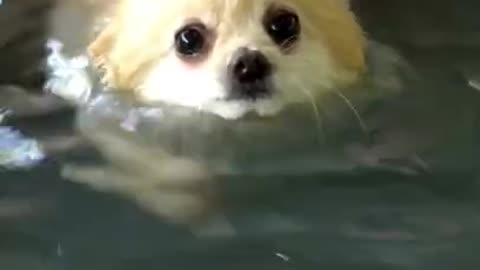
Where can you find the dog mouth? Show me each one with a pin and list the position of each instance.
(250, 93)
(259, 105)
(259, 90)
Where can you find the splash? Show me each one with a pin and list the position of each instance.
(18, 151)
(68, 77)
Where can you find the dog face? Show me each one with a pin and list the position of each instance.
(230, 57)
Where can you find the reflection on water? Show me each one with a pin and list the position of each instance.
(423, 215)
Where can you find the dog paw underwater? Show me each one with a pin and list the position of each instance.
(203, 90)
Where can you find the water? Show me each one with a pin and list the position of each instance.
(334, 218)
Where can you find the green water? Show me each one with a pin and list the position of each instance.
(367, 219)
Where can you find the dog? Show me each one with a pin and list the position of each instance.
(228, 58)
(239, 56)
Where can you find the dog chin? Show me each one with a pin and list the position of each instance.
(233, 110)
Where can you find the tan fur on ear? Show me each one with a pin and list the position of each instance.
(341, 33)
(124, 51)
(346, 3)
(99, 50)
(123, 68)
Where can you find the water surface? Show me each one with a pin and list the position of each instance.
(335, 220)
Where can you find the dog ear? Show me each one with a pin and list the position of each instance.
(104, 29)
(346, 3)
(119, 68)
(344, 37)
(100, 50)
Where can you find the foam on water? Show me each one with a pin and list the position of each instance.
(18, 151)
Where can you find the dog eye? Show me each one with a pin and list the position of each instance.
(283, 27)
(191, 40)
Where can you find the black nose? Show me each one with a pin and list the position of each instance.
(249, 75)
(250, 66)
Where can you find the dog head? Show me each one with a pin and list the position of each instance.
(230, 57)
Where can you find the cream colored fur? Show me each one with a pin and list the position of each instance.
(136, 51)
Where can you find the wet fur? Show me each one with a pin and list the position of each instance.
(131, 49)
(135, 50)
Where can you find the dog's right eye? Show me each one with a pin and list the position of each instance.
(191, 40)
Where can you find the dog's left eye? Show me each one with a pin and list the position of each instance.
(283, 26)
(191, 40)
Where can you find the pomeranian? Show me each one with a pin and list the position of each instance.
(230, 58)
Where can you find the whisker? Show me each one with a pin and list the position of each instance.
(357, 115)
(316, 111)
